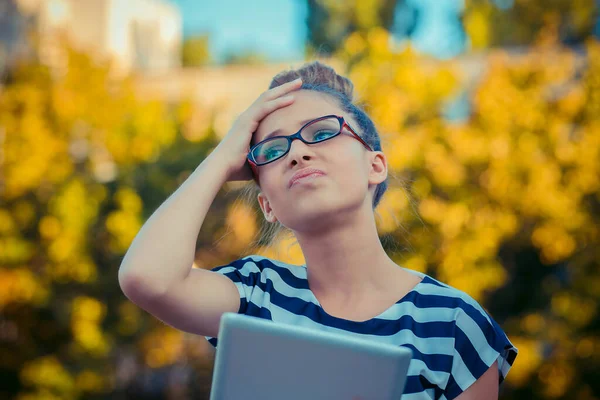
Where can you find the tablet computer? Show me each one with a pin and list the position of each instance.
(261, 359)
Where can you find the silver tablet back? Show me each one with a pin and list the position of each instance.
(260, 359)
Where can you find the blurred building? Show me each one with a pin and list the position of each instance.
(141, 35)
(228, 90)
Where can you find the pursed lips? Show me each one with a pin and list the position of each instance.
(303, 173)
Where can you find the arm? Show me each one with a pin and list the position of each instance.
(484, 388)
(156, 272)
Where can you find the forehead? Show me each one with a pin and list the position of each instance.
(307, 105)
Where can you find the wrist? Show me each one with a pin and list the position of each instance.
(219, 162)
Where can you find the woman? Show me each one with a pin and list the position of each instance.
(322, 183)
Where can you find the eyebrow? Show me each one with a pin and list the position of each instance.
(276, 131)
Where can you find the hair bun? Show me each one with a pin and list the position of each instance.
(316, 73)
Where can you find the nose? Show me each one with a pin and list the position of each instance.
(299, 150)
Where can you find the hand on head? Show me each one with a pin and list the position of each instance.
(235, 145)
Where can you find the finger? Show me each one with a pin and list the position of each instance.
(282, 89)
(270, 106)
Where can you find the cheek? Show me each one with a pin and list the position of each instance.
(269, 176)
(343, 160)
(349, 174)
(351, 160)
(272, 183)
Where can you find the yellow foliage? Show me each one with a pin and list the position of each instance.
(432, 209)
(414, 262)
(474, 278)
(355, 43)
(15, 250)
(556, 244)
(391, 209)
(48, 372)
(421, 187)
(522, 171)
(404, 151)
(40, 394)
(577, 310)
(556, 378)
(286, 249)
(477, 27)
(130, 318)
(125, 222)
(162, 346)
(530, 358)
(586, 348)
(90, 381)
(65, 137)
(49, 227)
(6, 222)
(86, 315)
(196, 121)
(90, 337)
(24, 212)
(533, 323)
(241, 219)
(455, 218)
(468, 145)
(128, 200)
(88, 308)
(20, 285)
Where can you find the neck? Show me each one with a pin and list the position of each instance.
(347, 261)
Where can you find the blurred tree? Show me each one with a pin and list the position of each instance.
(196, 51)
(437, 27)
(508, 201)
(330, 22)
(83, 163)
(249, 57)
(518, 22)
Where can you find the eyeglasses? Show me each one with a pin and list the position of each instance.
(315, 131)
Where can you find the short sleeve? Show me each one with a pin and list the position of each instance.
(245, 273)
(479, 342)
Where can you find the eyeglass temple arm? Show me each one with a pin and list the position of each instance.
(357, 136)
(254, 169)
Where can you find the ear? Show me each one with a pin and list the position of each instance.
(265, 206)
(378, 168)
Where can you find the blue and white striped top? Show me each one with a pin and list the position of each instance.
(453, 339)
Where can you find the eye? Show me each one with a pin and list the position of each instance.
(273, 153)
(322, 135)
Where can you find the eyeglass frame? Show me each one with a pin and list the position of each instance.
(290, 138)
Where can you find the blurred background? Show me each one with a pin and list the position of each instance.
(490, 117)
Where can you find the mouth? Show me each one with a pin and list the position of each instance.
(305, 175)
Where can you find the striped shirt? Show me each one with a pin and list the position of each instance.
(453, 339)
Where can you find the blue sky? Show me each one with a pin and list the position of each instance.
(275, 28)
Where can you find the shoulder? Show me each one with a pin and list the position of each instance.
(479, 341)
(435, 293)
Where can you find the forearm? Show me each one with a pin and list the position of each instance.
(163, 250)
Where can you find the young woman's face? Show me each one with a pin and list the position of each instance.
(350, 170)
